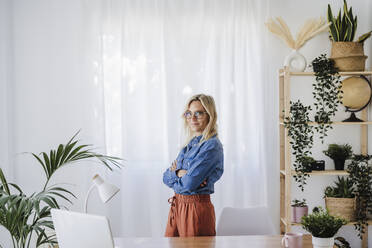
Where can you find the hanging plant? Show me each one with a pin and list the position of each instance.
(301, 134)
(360, 173)
(327, 93)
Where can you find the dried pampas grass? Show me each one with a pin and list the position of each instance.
(311, 28)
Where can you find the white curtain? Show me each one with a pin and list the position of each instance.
(155, 55)
(121, 71)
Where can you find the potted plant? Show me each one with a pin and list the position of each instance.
(360, 173)
(28, 217)
(339, 153)
(301, 134)
(307, 163)
(322, 226)
(340, 199)
(299, 209)
(326, 93)
(348, 55)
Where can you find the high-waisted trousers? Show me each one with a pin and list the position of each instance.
(191, 215)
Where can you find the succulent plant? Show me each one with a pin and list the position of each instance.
(344, 189)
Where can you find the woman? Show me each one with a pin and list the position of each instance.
(193, 174)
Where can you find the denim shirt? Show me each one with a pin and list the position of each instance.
(203, 161)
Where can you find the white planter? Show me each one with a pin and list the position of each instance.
(323, 242)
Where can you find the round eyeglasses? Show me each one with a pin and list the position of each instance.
(197, 114)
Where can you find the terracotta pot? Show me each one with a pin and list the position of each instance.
(298, 212)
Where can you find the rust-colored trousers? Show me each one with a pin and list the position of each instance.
(191, 215)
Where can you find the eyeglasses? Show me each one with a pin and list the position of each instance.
(197, 114)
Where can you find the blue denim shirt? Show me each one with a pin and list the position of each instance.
(203, 161)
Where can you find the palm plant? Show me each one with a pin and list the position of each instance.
(24, 216)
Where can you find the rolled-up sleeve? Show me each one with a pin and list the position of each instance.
(169, 178)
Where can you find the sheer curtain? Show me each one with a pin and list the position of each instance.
(155, 55)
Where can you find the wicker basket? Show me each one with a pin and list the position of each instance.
(341, 207)
(350, 63)
(348, 56)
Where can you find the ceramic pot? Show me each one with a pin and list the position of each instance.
(298, 212)
(323, 242)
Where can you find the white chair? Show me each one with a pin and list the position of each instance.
(245, 221)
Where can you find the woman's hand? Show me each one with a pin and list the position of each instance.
(174, 166)
(181, 173)
(203, 184)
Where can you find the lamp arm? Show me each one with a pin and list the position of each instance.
(87, 197)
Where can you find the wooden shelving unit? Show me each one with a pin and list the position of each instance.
(286, 171)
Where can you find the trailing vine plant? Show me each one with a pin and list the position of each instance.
(360, 173)
(327, 93)
(301, 134)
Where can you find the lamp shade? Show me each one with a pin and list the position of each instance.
(105, 190)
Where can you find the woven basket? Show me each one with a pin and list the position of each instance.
(348, 56)
(351, 63)
(341, 207)
(341, 49)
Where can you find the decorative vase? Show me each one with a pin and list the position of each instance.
(298, 212)
(339, 164)
(295, 61)
(323, 242)
(348, 56)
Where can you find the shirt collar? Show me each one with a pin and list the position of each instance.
(196, 139)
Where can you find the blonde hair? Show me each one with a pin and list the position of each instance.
(210, 107)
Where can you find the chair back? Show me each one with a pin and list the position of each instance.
(245, 221)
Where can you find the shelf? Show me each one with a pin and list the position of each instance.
(321, 173)
(343, 73)
(347, 224)
(285, 165)
(327, 173)
(341, 123)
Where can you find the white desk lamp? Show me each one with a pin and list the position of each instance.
(105, 190)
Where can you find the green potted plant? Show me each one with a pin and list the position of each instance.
(307, 163)
(360, 173)
(348, 55)
(339, 153)
(322, 226)
(301, 134)
(340, 199)
(28, 217)
(299, 209)
(326, 93)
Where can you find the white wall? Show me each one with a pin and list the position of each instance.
(5, 97)
(295, 13)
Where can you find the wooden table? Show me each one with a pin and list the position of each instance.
(208, 242)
